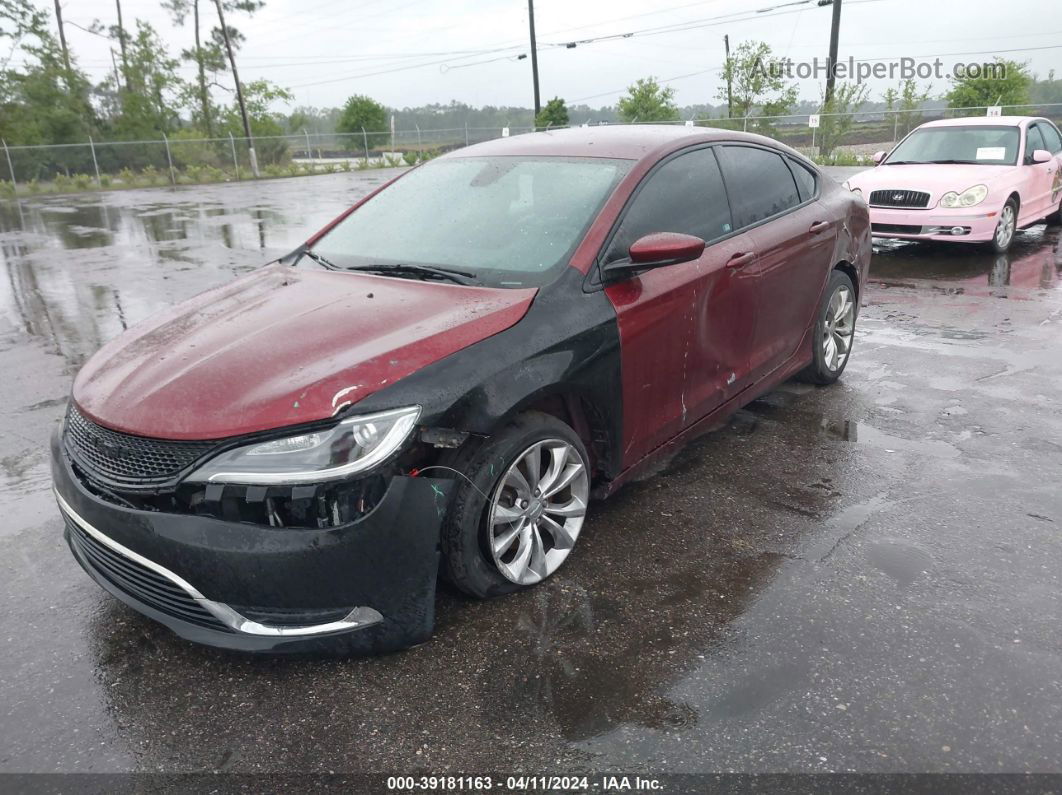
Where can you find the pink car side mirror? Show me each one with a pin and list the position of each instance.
(1041, 156)
(878, 157)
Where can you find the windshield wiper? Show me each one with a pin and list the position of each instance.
(954, 162)
(424, 271)
(321, 260)
(903, 163)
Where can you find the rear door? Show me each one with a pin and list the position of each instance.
(774, 198)
(685, 329)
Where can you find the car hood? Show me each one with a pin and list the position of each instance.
(934, 179)
(279, 347)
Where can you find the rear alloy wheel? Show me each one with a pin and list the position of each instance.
(1008, 222)
(834, 331)
(517, 517)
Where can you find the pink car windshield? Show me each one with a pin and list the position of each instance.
(976, 145)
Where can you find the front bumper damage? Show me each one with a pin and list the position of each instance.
(363, 587)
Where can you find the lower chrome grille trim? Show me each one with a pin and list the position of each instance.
(214, 614)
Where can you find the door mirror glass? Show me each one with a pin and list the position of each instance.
(878, 157)
(657, 250)
(1041, 156)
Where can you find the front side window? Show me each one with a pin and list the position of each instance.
(759, 183)
(1051, 137)
(978, 144)
(509, 221)
(1033, 141)
(685, 195)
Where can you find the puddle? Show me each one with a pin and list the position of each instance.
(901, 561)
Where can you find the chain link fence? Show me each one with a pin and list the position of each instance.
(839, 139)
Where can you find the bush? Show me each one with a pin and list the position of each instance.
(105, 180)
(6, 188)
(34, 186)
(127, 177)
(83, 181)
(393, 161)
(62, 182)
(346, 165)
(151, 175)
(410, 158)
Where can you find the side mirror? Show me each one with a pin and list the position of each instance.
(1041, 156)
(656, 251)
(878, 157)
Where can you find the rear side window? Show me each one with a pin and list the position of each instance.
(805, 179)
(1033, 141)
(684, 195)
(758, 182)
(1051, 137)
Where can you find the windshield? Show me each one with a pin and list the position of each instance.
(505, 221)
(980, 144)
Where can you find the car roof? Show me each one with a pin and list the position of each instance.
(625, 141)
(988, 121)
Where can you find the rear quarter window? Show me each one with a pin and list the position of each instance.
(805, 179)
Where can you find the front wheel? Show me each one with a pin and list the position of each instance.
(1008, 222)
(834, 331)
(516, 518)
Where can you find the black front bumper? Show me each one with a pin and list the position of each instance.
(212, 581)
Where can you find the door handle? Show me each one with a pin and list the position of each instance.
(819, 226)
(740, 260)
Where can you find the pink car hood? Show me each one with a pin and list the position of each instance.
(934, 179)
(279, 347)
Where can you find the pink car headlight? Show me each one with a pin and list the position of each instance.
(970, 197)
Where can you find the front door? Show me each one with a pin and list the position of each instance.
(685, 329)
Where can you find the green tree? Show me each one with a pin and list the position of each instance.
(646, 100)
(1008, 83)
(555, 114)
(208, 56)
(904, 105)
(259, 97)
(755, 83)
(362, 112)
(838, 115)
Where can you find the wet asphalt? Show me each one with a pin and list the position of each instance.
(864, 577)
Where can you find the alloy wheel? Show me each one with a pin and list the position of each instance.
(837, 328)
(537, 511)
(1005, 227)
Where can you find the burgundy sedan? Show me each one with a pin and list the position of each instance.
(441, 379)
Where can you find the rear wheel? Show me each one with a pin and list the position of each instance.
(518, 516)
(834, 331)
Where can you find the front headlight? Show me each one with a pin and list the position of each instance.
(970, 197)
(354, 445)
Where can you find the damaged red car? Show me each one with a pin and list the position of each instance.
(441, 380)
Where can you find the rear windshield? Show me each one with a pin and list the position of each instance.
(977, 144)
(508, 221)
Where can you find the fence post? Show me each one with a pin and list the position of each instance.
(173, 175)
(11, 168)
(309, 154)
(365, 137)
(466, 133)
(235, 160)
(895, 127)
(745, 123)
(95, 164)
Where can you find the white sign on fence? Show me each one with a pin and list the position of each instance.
(505, 132)
(813, 120)
(995, 110)
(689, 122)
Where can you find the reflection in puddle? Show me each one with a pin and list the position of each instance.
(1034, 262)
(76, 271)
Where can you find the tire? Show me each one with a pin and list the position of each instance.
(824, 368)
(468, 534)
(1001, 243)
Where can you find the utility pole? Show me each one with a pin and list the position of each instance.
(62, 39)
(729, 78)
(239, 91)
(121, 41)
(835, 31)
(534, 54)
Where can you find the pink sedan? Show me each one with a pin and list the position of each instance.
(966, 180)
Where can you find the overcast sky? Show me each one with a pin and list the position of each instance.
(401, 52)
